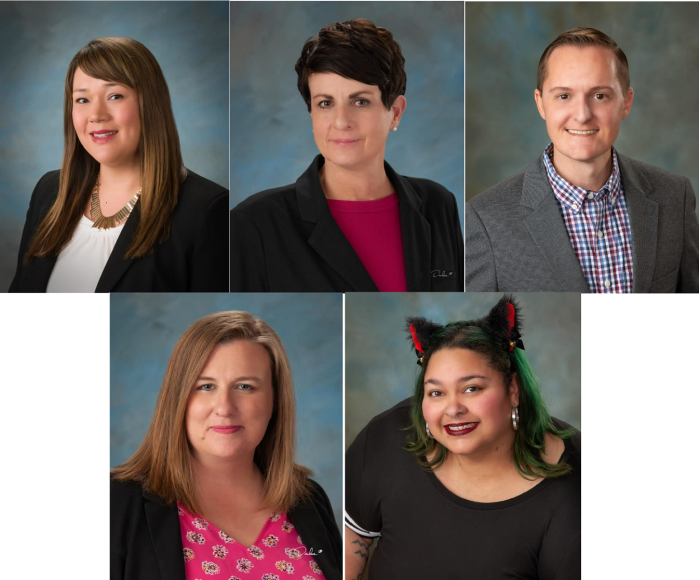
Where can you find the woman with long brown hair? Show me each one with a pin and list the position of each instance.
(123, 213)
(213, 488)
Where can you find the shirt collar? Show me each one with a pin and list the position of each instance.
(573, 196)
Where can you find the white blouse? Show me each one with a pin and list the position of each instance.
(79, 265)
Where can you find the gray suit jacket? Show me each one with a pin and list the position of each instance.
(516, 240)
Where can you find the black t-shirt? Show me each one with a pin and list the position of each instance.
(426, 531)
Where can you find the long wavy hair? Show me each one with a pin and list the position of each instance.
(130, 63)
(491, 338)
(163, 462)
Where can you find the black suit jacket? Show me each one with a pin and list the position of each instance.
(192, 259)
(145, 541)
(286, 240)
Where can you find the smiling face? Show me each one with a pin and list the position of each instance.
(583, 103)
(350, 122)
(106, 120)
(231, 403)
(465, 403)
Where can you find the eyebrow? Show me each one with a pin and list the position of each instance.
(600, 88)
(238, 380)
(105, 85)
(352, 96)
(467, 378)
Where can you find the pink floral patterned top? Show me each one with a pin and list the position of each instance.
(277, 554)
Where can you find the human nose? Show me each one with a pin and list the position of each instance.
(98, 112)
(343, 118)
(454, 408)
(225, 404)
(583, 111)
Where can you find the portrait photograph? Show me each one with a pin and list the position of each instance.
(347, 158)
(114, 152)
(463, 412)
(225, 435)
(583, 176)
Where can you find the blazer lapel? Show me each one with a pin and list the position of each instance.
(117, 264)
(327, 239)
(644, 221)
(164, 528)
(548, 230)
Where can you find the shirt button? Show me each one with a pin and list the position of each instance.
(590, 196)
(607, 283)
(575, 207)
(600, 233)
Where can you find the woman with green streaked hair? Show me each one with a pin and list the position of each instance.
(471, 477)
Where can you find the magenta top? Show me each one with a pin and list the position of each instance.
(277, 553)
(373, 229)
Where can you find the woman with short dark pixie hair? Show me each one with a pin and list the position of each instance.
(471, 477)
(123, 213)
(350, 222)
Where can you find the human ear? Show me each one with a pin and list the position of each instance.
(629, 97)
(539, 102)
(514, 391)
(397, 110)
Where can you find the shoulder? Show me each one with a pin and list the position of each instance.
(46, 188)
(317, 497)
(125, 496)
(270, 201)
(505, 193)
(388, 427)
(656, 176)
(197, 190)
(429, 190)
(572, 445)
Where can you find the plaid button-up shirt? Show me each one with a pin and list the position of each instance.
(598, 227)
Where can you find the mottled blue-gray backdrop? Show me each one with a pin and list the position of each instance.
(504, 43)
(39, 39)
(380, 363)
(145, 327)
(271, 139)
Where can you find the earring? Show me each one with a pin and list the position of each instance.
(515, 418)
(395, 128)
(427, 431)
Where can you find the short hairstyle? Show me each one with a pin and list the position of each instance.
(163, 462)
(130, 63)
(483, 336)
(357, 50)
(586, 37)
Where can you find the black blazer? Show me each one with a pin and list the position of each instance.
(145, 541)
(192, 259)
(286, 240)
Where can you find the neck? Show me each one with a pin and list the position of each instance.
(121, 178)
(365, 184)
(486, 470)
(216, 477)
(590, 175)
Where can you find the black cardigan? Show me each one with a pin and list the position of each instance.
(192, 259)
(286, 240)
(145, 541)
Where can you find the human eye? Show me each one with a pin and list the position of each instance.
(600, 96)
(324, 104)
(434, 393)
(246, 387)
(207, 387)
(562, 97)
(362, 102)
(116, 97)
(81, 100)
(472, 389)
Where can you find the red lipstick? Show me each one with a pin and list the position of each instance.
(105, 136)
(459, 429)
(226, 430)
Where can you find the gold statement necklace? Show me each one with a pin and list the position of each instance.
(103, 222)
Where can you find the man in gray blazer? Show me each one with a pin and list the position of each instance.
(583, 217)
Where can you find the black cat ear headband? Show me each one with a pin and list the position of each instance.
(502, 322)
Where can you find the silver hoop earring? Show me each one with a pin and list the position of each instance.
(427, 431)
(515, 418)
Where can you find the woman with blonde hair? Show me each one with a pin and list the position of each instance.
(213, 489)
(123, 213)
